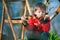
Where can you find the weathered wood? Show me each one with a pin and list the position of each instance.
(58, 9)
(14, 0)
(23, 26)
(2, 22)
(55, 14)
(13, 21)
(0, 33)
(9, 20)
(28, 7)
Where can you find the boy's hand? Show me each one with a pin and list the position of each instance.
(21, 21)
(23, 18)
(46, 17)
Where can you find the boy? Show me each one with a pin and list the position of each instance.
(38, 24)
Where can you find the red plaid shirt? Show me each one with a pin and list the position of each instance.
(38, 25)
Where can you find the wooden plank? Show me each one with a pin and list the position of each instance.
(58, 9)
(13, 21)
(2, 23)
(0, 33)
(9, 19)
(14, 0)
(55, 14)
(23, 25)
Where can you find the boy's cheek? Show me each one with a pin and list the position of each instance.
(41, 15)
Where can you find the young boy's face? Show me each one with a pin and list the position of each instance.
(38, 12)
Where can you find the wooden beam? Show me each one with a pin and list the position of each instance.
(13, 21)
(0, 33)
(2, 23)
(58, 10)
(14, 0)
(9, 19)
(55, 14)
(23, 26)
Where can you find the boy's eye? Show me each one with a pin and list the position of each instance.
(40, 12)
(43, 12)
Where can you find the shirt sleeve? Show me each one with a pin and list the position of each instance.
(46, 26)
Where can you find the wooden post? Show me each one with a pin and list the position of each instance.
(23, 26)
(55, 14)
(28, 7)
(11, 26)
(1, 29)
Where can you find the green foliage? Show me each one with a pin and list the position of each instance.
(53, 36)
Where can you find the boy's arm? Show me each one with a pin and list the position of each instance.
(46, 26)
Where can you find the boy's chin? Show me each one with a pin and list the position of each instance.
(40, 17)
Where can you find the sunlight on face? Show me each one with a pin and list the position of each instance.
(39, 13)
